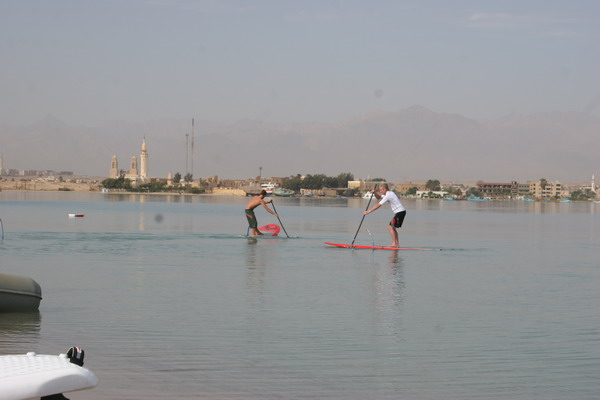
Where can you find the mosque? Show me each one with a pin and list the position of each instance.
(133, 174)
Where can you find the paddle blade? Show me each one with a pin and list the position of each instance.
(270, 228)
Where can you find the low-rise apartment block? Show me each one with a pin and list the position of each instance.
(497, 189)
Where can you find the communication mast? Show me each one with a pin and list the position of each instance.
(187, 150)
(192, 148)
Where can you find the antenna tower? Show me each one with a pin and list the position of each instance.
(192, 148)
(187, 135)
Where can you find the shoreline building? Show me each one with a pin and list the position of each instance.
(592, 187)
(133, 170)
(114, 168)
(498, 189)
(545, 189)
(132, 174)
(144, 161)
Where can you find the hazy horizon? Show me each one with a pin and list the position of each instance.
(415, 144)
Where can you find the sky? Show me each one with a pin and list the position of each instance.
(93, 62)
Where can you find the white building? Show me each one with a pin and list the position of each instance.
(132, 174)
(114, 168)
(424, 194)
(144, 162)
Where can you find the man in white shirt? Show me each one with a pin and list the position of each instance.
(397, 208)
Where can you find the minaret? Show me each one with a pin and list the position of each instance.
(133, 170)
(1, 165)
(593, 184)
(114, 168)
(144, 161)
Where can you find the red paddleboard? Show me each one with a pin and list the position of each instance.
(349, 246)
(271, 228)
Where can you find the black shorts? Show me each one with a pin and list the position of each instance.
(251, 218)
(398, 219)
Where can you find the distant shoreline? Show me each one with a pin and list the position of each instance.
(98, 191)
(71, 187)
(88, 187)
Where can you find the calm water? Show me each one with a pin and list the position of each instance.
(170, 300)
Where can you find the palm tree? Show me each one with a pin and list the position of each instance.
(432, 185)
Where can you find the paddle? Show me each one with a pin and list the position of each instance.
(282, 227)
(363, 217)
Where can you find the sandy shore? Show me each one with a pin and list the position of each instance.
(44, 186)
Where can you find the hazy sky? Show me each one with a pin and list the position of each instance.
(89, 62)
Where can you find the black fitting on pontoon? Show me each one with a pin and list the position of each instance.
(75, 355)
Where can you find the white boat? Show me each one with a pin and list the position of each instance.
(368, 195)
(33, 376)
(254, 189)
(19, 294)
(268, 187)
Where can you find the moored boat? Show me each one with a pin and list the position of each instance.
(283, 192)
(368, 195)
(269, 187)
(19, 294)
(477, 198)
(253, 190)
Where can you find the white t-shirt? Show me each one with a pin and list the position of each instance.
(394, 202)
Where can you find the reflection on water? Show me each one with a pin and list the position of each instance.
(256, 271)
(388, 287)
(19, 331)
(145, 197)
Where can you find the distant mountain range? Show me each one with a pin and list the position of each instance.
(411, 144)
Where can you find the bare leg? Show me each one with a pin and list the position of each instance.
(394, 235)
(254, 232)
